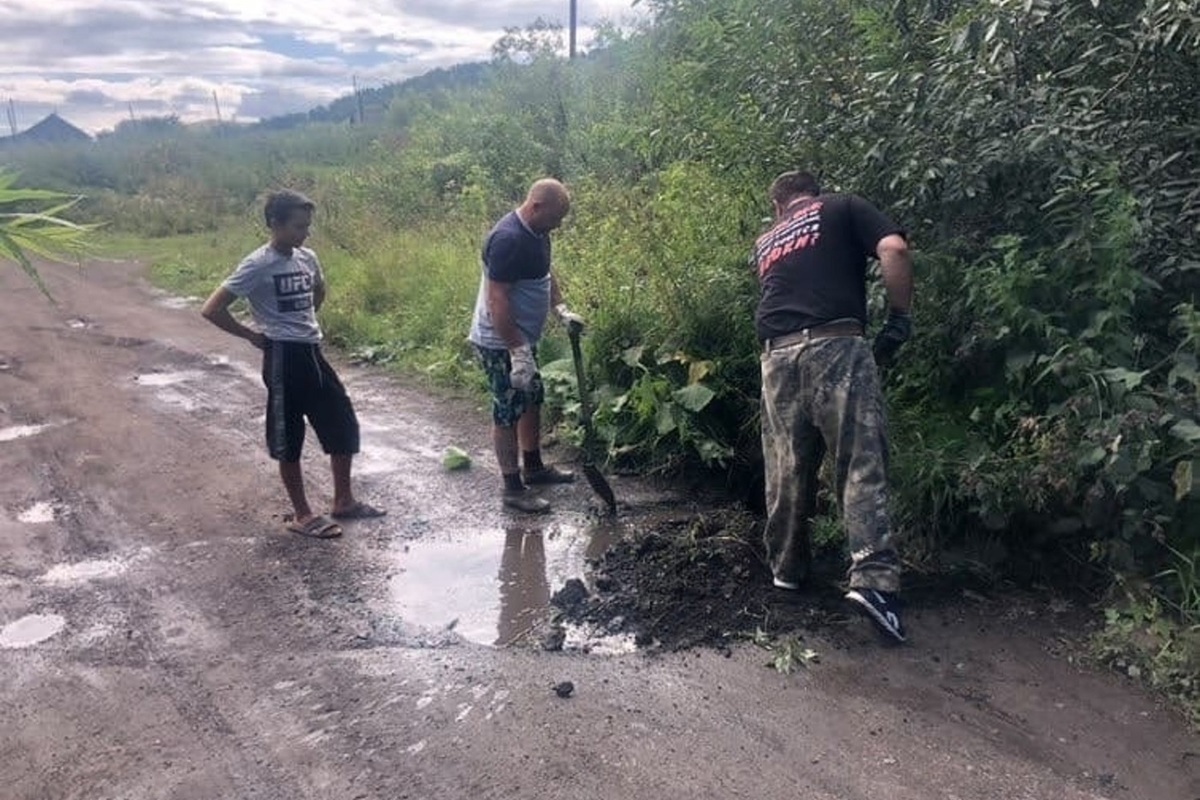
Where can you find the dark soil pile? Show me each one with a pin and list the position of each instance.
(699, 580)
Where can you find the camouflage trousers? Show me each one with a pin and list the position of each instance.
(819, 395)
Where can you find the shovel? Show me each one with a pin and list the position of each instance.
(590, 470)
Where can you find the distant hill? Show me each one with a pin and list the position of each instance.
(375, 101)
(51, 130)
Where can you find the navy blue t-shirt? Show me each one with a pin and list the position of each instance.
(812, 264)
(514, 255)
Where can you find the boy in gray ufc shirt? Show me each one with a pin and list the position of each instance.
(284, 286)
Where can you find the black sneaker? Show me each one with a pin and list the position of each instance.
(525, 501)
(548, 475)
(882, 608)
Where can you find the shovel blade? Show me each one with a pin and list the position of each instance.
(600, 486)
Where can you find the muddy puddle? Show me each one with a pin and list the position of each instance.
(461, 569)
(493, 586)
(662, 579)
(15, 432)
(30, 630)
(39, 513)
(81, 572)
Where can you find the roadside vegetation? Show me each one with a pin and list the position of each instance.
(32, 224)
(1042, 154)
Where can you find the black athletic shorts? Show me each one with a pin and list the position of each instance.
(300, 383)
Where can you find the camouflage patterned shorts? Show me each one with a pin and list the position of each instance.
(508, 404)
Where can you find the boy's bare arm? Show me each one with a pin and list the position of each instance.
(216, 311)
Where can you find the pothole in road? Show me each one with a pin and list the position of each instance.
(160, 379)
(178, 303)
(189, 390)
(14, 432)
(30, 630)
(84, 571)
(493, 586)
(38, 514)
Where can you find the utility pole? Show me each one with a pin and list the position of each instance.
(132, 116)
(358, 96)
(574, 24)
(217, 106)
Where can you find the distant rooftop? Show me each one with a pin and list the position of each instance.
(51, 130)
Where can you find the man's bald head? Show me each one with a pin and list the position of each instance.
(548, 190)
(546, 204)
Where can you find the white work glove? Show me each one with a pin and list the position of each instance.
(524, 368)
(568, 317)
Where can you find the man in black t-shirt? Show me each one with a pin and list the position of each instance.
(820, 384)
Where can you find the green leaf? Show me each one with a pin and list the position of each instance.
(559, 367)
(699, 370)
(695, 397)
(39, 232)
(1019, 361)
(1130, 379)
(1186, 430)
(455, 458)
(1092, 456)
(633, 356)
(1182, 477)
(1184, 369)
(664, 419)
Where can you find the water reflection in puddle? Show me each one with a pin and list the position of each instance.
(30, 630)
(159, 379)
(493, 585)
(24, 431)
(38, 513)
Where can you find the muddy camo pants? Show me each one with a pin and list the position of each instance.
(818, 395)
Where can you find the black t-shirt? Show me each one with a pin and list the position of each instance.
(812, 265)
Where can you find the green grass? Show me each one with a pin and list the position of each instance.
(188, 265)
(1141, 640)
(401, 298)
(408, 295)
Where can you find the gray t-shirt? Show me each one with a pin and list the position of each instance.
(279, 289)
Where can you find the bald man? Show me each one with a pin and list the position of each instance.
(516, 294)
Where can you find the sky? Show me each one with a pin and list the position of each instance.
(90, 60)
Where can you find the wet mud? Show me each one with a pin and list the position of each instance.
(695, 579)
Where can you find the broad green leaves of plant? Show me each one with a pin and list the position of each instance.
(31, 224)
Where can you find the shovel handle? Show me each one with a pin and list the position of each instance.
(590, 471)
(585, 403)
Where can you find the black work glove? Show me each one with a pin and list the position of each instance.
(895, 331)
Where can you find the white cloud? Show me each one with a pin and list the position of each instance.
(89, 59)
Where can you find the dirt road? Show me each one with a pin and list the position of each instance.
(161, 637)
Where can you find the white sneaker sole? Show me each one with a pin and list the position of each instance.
(782, 584)
(886, 626)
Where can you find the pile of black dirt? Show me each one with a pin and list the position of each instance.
(696, 580)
